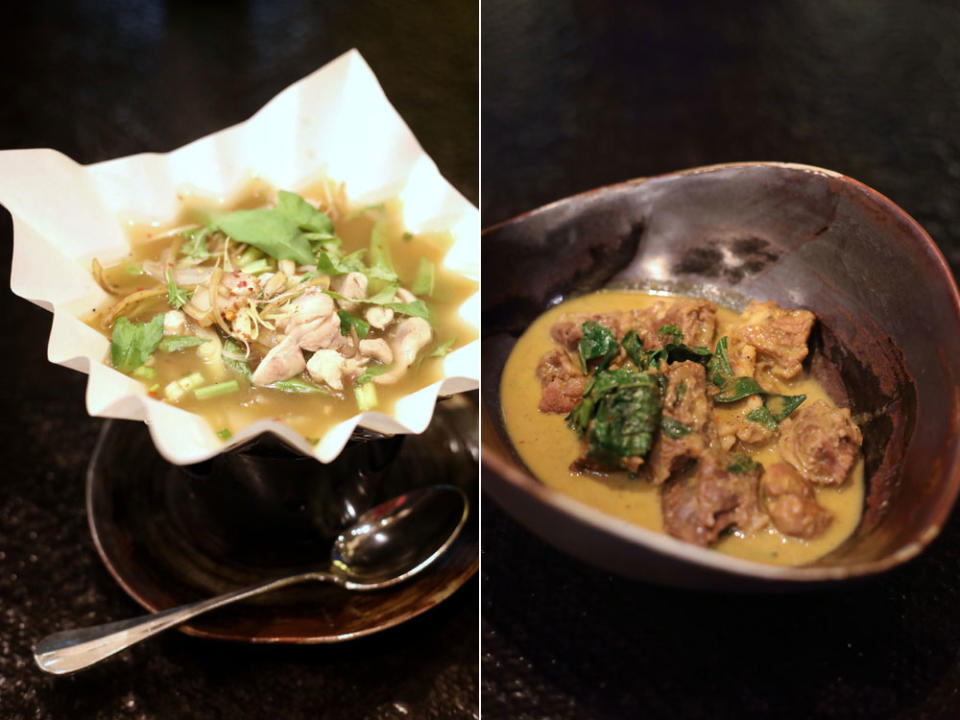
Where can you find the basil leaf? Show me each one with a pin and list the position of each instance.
(132, 343)
(719, 371)
(172, 343)
(175, 296)
(668, 331)
(781, 406)
(742, 464)
(348, 321)
(634, 348)
(737, 389)
(597, 341)
(330, 264)
(370, 373)
(303, 213)
(673, 428)
(296, 385)
(268, 230)
(762, 416)
(618, 414)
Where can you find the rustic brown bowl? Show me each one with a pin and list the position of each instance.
(887, 344)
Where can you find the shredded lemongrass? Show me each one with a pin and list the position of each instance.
(96, 269)
(129, 300)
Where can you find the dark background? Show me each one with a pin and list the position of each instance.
(98, 80)
(582, 94)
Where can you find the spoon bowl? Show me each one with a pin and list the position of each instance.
(388, 544)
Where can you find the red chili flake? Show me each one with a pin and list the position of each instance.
(153, 394)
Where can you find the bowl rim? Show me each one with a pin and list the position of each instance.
(596, 520)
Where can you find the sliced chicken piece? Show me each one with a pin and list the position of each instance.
(174, 323)
(377, 349)
(320, 334)
(406, 339)
(379, 317)
(326, 366)
(313, 304)
(283, 362)
(352, 285)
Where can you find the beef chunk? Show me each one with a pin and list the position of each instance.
(789, 500)
(700, 506)
(820, 442)
(569, 329)
(732, 424)
(779, 336)
(684, 402)
(561, 382)
(697, 319)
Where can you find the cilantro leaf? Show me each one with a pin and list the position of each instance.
(196, 245)
(132, 343)
(175, 295)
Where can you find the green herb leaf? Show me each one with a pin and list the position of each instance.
(132, 343)
(719, 371)
(296, 385)
(380, 260)
(443, 349)
(268, 230)
(597, 341)
(240, 367)
(370, 373)
(305, 215)
(618, 414)
(385, 295)
(737, 389)
(673, 428)
(762, 416)
(670, 331)
(742, 464)
(176, 296)
(196, 244)
(329, 264)
(224, 434)
(634, 347)
(172, 343)
(414, 309)
(423, 284)
(348, 321)
(781, 406)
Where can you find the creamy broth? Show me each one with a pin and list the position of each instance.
(547, 446)
(311, 414)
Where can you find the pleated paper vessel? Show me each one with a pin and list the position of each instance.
(336, 122)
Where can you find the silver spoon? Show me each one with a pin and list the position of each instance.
(386, 545)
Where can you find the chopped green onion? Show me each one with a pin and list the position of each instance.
(249, 255)
(366, 396)
(256, 267)
(296, 385)
(212, 391)
(224, 434)
(145, 373)
(423, 284)
(442, 350)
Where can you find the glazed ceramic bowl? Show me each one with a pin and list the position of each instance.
(887, 344)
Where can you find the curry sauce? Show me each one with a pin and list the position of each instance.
(548, 447)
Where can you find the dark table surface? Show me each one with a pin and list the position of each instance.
(102, 80)
(581, 94)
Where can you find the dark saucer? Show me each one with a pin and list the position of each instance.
(172, 535)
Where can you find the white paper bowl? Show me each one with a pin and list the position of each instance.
(337, 121)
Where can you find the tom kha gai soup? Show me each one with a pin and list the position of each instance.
(293, 307)
(689, 419)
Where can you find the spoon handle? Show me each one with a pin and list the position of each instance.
(71, 650)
